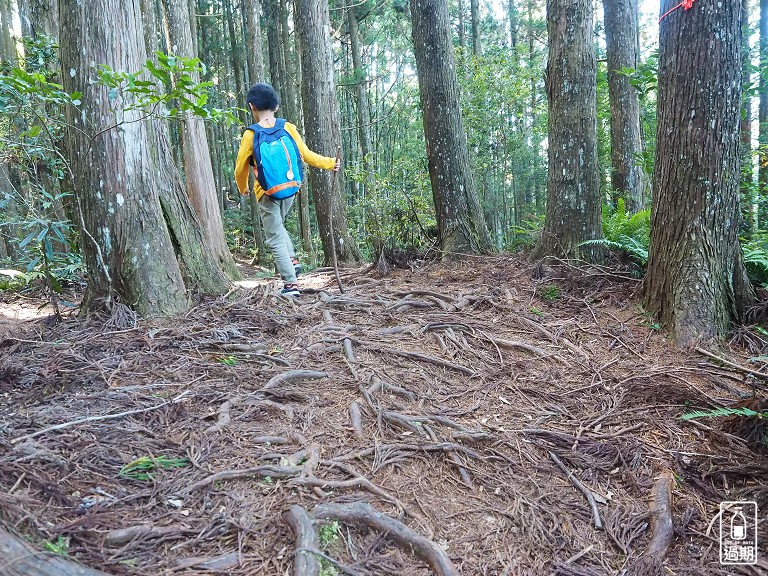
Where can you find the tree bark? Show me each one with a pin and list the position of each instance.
(198, 170)
(21, 559)
(622, 39)
(460, 222)
(141, 241)
(573, 213)
(323, 131)
(696, 281)
(512, 15)
(272, 16)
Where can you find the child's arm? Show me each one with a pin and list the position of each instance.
(242, 165)
(311, 158)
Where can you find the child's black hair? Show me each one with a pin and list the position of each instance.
(263, 97)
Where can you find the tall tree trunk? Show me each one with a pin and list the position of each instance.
(762, 117)
(234, 49)
(512, 15)
(198, 171)
(622, 39)
(745, 127)
(573, 212)
(272, 15)
(361, 98)
(323, 131)
(304, 212)
(7, 45)
(289, 86)
(460, 222)
(474, 10)
(142, 243)
(696, 282)
(462, 32)
(254, 52)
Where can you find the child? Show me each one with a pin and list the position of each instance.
(263, 102)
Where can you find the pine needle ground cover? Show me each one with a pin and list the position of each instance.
(468, 419)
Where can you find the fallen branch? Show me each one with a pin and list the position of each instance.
(98, 419)
(365, 515)
(663, 529)
(306, 539)
(584, 490)
(731, 364)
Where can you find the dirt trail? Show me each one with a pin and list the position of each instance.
(492, 420)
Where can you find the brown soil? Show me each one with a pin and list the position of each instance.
(486, 392)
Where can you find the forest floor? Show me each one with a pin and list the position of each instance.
(491, 414)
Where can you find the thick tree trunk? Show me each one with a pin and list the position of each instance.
(140, 237)
(198, 170)
(696, 282)
(573, 212)
(7, 45)
(460, 221)
(323, 131)
(622, 39)
(21, 559)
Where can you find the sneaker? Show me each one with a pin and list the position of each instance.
(291, 290)
(296, 266)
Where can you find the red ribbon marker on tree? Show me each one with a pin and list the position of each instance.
(686, 5)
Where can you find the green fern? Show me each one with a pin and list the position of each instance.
(717, 412)
(624, 232)
(755, 252)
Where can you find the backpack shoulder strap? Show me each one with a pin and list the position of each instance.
(254, 128)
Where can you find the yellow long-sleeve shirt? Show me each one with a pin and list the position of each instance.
(244, 155)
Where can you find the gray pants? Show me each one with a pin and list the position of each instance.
(273, 214)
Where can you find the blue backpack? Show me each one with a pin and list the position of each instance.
(277, 160)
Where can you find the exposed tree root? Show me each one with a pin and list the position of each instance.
(18, 558)
(305, 563)
(651, 563)
(362, 514)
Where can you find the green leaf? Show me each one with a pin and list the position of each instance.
(27, 240)
(34, 131)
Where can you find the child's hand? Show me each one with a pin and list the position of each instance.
(337, 167)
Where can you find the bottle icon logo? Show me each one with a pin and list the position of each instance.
(738, 525)
(738, 532)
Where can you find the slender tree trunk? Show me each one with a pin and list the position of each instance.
(512, 15)
(462, 32)
(198, 171)
(272, 16)
(304, 212)
(323, 131)
(696, 282)
(142, 243)
(573, 212)
(235, 52)
(474, 9)
(763, 118)
(622, 39)
(254, 52)
(461, 226)
(745, 128)
(361, 98)
(7, 45)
